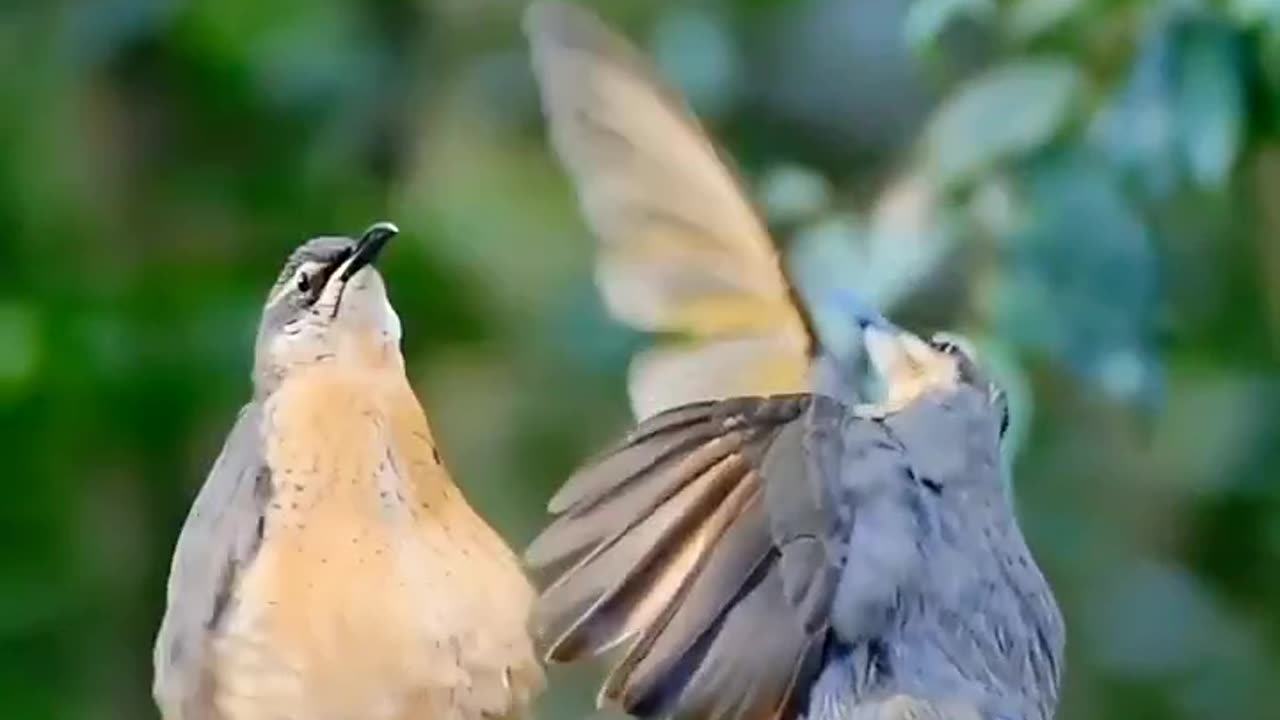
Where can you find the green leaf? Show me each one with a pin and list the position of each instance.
(790, 193)
(1210, 104)
(1136, 126)
(1006, 111)
(19, 345)
(926, 19)
(1255, 12)
(1029, 19)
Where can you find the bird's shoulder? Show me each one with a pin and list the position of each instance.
(219, 540)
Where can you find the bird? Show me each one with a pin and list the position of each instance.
(329, 568)
(768, 541)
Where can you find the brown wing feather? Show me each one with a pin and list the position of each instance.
(677, 551)
(593, 527)
(746, 545)
(640, 450)
(757, 658)
(646, 562)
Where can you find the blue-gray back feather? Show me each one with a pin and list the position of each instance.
(784, 557)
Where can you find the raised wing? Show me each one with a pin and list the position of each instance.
(221, 536)
(681, 250)
(709, 543)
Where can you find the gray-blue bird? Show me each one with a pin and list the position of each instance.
(766, 544)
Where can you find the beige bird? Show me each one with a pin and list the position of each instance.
(329, 568)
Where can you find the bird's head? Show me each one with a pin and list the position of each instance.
(328, 305)
(908, 367)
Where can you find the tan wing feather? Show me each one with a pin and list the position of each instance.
(681, 250)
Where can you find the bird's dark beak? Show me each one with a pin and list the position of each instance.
(368, 247)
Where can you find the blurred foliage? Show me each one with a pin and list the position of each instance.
(1089, 189)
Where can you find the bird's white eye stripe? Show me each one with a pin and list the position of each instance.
(301, 280)
(308, 269)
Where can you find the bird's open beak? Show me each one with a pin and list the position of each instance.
(368, 247)
(908, 367)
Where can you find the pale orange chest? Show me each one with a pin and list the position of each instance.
(374, 578)
(343, 557)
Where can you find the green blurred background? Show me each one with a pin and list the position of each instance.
(1090, 189)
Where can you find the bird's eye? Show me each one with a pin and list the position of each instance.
(304, 282)
(945, 346)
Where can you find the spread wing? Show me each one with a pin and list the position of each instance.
(681, 250)
(221, 535)
(710, 545)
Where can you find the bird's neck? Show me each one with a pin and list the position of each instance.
(356, 435)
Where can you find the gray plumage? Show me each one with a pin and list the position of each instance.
(222, 534)
(787, 557)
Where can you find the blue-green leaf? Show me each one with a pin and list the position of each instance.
(1030, 19)
(1255, 12)
(791, 192)
(927, 19)
(1081, 281)
(1006, 111)
(1135, 129)
(1210, 104)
